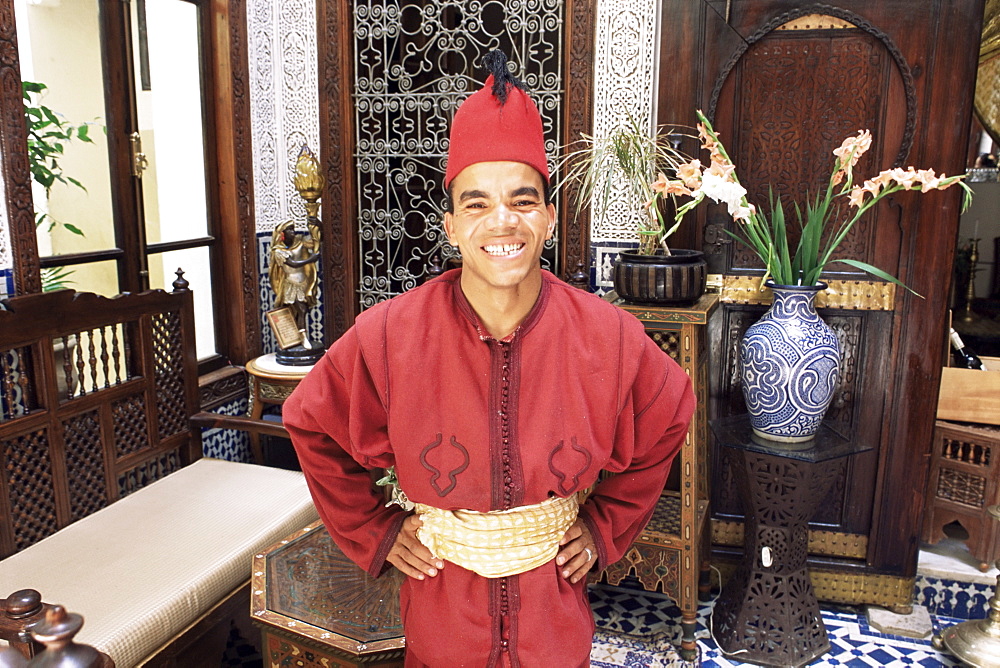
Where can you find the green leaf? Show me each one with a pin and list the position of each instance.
(50, 115)
(76, 183)
(875, 271)
(74, 229)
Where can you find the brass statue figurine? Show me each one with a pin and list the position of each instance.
(293, 261)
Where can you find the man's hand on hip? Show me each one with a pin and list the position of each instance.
(409, 555)
(578, 553)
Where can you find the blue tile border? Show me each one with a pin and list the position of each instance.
(6, 283)
(953, 598)
(229, 444)
(604, 254)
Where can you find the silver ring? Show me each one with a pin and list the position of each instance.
(590, 555)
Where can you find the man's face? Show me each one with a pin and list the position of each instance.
(500, 222)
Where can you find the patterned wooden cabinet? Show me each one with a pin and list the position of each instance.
(784, 83)
(672, 551)
(964, 481)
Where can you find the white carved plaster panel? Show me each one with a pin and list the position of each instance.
(624, 83)
(284, 102)
(6, 259)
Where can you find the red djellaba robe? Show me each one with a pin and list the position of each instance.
(475, 423)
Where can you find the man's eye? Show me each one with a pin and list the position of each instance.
(524, 202)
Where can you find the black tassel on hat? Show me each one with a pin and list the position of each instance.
(495, 63)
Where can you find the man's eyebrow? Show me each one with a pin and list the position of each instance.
(471, 194)
(525, 190)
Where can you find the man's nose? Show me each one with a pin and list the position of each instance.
(503, 217)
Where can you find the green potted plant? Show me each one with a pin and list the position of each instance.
(790, 359)
(632, 160)
(48, 135)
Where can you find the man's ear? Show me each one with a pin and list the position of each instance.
(551, 209)
(449, 228)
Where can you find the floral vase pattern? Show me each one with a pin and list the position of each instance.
(789, 366)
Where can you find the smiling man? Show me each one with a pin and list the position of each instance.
(497, 394)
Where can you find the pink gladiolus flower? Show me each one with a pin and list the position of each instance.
(928, 180)
(857, 196)
(707, 140)
(883, 179)
(660, 184)
(677, 188)
(724, 170)
(947, 181)
(905, 177)
(690, 173)
(852, 149)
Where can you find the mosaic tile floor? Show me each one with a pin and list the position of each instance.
(638, 629)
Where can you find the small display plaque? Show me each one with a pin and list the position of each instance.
(286, 330)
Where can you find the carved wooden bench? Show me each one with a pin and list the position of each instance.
(106, 505)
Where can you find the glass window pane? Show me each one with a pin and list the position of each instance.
(59, 47)
(168, 94)
(195, 263)
(100, 277)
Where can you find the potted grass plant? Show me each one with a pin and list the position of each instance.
(790, 358)
(633, 161)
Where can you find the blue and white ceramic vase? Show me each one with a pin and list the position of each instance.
(789, 366)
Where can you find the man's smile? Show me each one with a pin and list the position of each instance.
(503, 250)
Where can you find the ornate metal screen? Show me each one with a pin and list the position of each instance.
(414, 64)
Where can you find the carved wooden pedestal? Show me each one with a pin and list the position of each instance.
(767, 612)
(270, 384)
(671, 554)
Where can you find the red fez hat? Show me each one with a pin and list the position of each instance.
(497, 123)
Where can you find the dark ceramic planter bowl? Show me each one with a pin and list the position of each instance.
(673, 279)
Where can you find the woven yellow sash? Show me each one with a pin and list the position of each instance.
(501, 542)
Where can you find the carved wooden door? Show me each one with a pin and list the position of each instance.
(785, 83)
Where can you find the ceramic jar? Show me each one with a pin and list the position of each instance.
(789, 366)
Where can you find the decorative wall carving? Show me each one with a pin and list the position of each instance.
(578, 114)
(625, 65)
(283, 102)
(839, 79)
(243, 157)
(17, 211)
(6, 260)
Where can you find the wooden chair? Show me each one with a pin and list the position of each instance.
(35, 629)
(106, 504)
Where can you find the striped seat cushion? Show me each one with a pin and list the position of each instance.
(145, 567)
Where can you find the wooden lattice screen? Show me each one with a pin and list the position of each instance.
(95, 395)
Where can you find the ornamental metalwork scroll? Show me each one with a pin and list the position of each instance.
(415, 62)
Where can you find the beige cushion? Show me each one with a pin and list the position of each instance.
(142, 569)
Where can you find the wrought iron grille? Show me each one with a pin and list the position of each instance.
(415, 62)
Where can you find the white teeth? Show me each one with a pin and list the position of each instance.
(503, 249)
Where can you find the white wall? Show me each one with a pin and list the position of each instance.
(982, 221)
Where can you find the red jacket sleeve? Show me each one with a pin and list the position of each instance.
(652, 426)
(338, 424)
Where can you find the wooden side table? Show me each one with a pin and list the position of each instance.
(964, 482)
(767, 612)
(317, 609)
(672, 552)
(270, 383)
